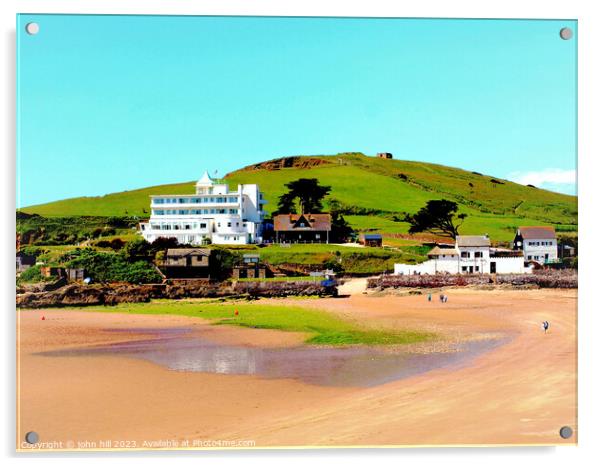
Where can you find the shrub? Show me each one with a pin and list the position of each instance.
(136, 249)
(31, 275)
(112, 267)
(115, 244)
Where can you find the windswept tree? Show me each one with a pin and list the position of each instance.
(304, 195)
(437, 216)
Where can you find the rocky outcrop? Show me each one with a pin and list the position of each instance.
(287, 162)
(111, 294)
(273, 289)
(541, 279)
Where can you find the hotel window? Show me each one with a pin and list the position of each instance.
(203, 225)
(187, 226)
(476, 268)
(237, 224)
(229, 224)
(464, 268)
(159, 212)
(219, 224)
(465, 254)
(184, 212)
(158, 201)
(478, 254)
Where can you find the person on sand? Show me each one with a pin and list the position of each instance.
(441, 296)
(445, 298)
(429, 297)
(545, 325)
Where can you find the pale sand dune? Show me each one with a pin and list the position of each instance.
(521, 392)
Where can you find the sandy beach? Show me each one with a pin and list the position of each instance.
(521, 392)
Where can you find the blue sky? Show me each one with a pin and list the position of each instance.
(109, 103)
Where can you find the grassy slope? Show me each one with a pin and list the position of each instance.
(361, 181)
(323, 328)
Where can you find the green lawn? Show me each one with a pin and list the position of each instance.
(364, 260)
(322, 327)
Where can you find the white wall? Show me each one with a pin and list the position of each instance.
(455, 264)
(510, 265)
(538, 252)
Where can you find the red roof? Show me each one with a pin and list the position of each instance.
(294, 222)
(537, 232)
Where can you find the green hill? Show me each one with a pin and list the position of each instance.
(373, 191)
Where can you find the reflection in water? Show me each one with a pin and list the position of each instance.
(339, 366)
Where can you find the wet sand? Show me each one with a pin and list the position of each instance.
(519, 393)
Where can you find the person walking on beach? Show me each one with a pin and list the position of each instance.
(429, 297)
(545, 325)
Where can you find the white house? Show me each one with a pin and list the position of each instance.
(537, 243)
(470, 254)
(214, 214)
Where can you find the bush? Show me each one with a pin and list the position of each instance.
(33, 251)
(31, 275)
(136, 249)
(222, 261)
(141, 272)
(115, 244)
(112, 267)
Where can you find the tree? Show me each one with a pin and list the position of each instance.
(437, 216)
(136, 249)
(307, 193)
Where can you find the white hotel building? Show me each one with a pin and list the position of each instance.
(214, 214)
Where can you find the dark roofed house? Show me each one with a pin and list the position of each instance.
(371, 239)
(302, 228)
(384, 155)
(187, 263)
(251, 267)
(24, 261)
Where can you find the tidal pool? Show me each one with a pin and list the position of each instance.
(360, 366)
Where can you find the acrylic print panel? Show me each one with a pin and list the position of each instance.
(251, 232)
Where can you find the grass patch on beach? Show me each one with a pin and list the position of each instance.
(323, 328)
